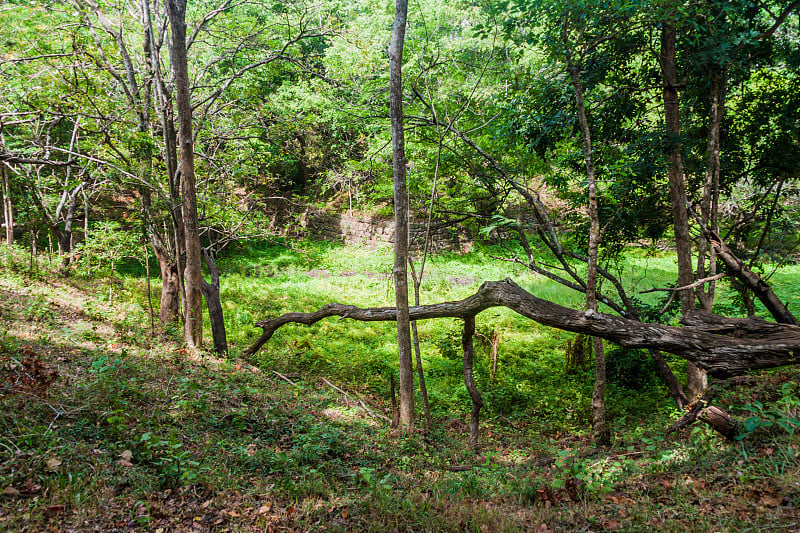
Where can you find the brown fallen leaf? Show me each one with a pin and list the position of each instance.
(769, 501)
(11, 492)
(54, 509)
(30, 487)
(264, 509)
(53, 463)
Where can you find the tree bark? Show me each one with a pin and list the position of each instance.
(215, 314)
(169, 306)
(193, 312)
(766, 345)
(468, 346)
(8, 211)
(752, 281)
(677, 181)
(400, 214)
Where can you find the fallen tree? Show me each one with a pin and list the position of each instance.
(722, 346)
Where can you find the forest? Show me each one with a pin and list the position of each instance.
(504, 265)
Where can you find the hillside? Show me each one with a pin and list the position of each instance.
(105, 428)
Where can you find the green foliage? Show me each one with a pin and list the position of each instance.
(632, 369)
(783, 415)
(167, 455)
(106, 244)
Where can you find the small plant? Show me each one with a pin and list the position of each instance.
(784, 414)
(39, 309)
(373, 481)
(106, 364)
(174, 464)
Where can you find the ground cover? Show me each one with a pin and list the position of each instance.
(103, 427)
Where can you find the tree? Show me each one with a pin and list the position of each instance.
(193, 312)
(574, 67)
(400, 214)
(677, 183)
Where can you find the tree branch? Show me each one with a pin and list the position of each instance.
(720, 355)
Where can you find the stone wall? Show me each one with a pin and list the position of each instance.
(359, 230)
(373, 232)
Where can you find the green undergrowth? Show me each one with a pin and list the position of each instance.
(104, 427)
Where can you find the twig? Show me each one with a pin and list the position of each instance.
(690, 286)
(362, 404)
(284, 378)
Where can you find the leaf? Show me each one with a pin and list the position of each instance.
(125, 459)
(11, 492)
(769, 501)
(53, 463)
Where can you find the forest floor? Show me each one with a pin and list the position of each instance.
(106, 428)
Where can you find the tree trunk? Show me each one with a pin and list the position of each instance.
(169, 307)
(749, 279)
(400, 214)
(193, 311)
(677, 181)
(697, 381)
(215, 315)
(8, 212)
(601, 431)
(468, 346)
(423, 388)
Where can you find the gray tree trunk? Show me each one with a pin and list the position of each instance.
(601, 430)
(401, 215)
(193, 311)
(8, 211)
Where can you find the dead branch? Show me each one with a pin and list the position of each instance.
(720, 355)
(690, 286)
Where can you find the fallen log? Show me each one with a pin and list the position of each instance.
(701, 342)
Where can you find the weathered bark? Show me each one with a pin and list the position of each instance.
(215, 314)
(468, 346)
(677, 181)
(193, 311)
(405, 356)
(717, 419)
(720, 355)
(169, 306)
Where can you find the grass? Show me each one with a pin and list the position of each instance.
(136, 434)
